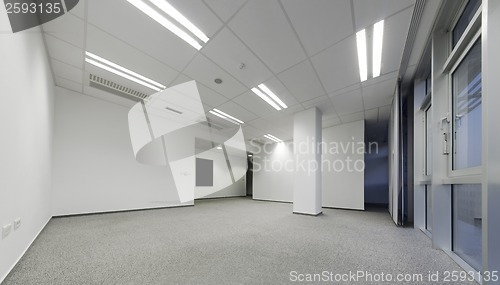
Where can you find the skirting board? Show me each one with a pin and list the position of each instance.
(306, 214)
(120, 211)
(24, 252)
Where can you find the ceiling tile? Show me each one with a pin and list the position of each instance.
(380, 94)
(114, 50)
(210, 97)
(68, 28)
(64, 51)
(350, 102)
(181, 78)
(79, 9)
(68, 84)
(314, 23)
(225, 8)
(255, 104)
(230, 53)
(275, 85)
(251, 132)
(198, 14)
(323, 103)
(331, 121)
(371, 115)
(205, 71)
(367, 13)
(302, 81)
(270, 37)
(395, 32)
(142, 33)
(337, 66)
(237, 111)
(67, 71)
(352, 117)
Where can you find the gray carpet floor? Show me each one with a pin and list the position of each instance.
(225, 241)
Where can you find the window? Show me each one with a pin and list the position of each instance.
(466, 93)
(467, 223)
(464, 20)
(428, 141)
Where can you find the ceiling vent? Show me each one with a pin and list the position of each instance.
(115, 88)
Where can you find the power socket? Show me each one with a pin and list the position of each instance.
(17, 223)
(6, 230)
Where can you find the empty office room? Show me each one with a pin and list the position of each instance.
(249, 142)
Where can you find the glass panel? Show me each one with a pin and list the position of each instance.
(428, 141)
(467, 224)
(464, 20)
(467, 110)
(428, 208)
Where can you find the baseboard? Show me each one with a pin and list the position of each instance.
(120, 211)
(24, 252)
(274, 201)
(221, 197)
(307, 214)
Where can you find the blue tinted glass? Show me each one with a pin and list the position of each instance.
(465, 19)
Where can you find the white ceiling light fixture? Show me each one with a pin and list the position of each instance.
(264, 97)
(153, 14)
(225, 116)
(378, 36)
(172, 12)
(272, 95)
(362, 56)
(273, 138)
(123, 72)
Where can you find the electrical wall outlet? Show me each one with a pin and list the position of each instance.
(6, 230)
(17, 223)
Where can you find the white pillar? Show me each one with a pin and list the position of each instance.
(307, 130)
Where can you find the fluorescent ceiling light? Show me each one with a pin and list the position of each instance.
(226, 117)
(122, 74)
(378, 36)
(121, 68)
(172, 12)
(164, 22)
(265, 98)
(219, 147)
(272, 95)
(362, 58)
(229, 116)
(273, 138)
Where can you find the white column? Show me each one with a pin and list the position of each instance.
(491, 137)
(307, 130)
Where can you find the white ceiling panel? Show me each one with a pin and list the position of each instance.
(371, 115)
(210, 97)
(396, 29)
(338, 66)
(262, 25)
(237, 111)
(350, 102)
(322, 24)
(275, 85)
(331, 121)
(225, 8)
(367, 13)
(114, 50)
(302, 81)
(67, 71)
(205, 71)
(323, 103)
(68, 84)
(230, 53)
(251, 132)
(198, 14)
(142, 32)
(181, 78)
(253, 103)
(106, 96)
(64, 51)
(352, 117)
(68, 28)
(378, 95)
(79, 9)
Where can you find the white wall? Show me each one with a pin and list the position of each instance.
(273, 166)
(343, 166)
(26, 117)
(94, 165)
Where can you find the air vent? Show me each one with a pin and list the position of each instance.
(115, 88)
